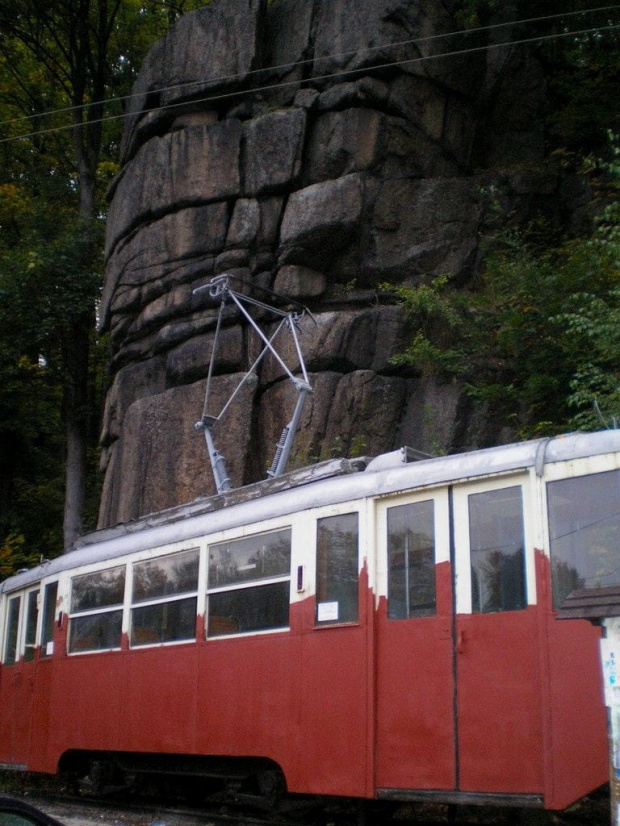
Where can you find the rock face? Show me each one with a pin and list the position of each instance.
(317, 149)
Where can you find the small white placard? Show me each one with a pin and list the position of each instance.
(49, 649)
(328, 611)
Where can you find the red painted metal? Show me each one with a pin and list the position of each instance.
(344, 710)
(576, 759)
(500, 731)
(415, 697)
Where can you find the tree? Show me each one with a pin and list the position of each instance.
(537, 338)
(60, 61)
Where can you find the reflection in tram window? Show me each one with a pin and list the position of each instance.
(337, 569)
(49, 613)
(96, 632)
(98, 590)
(96, 599)
(584, 531)
(497, 550)
(249, 584)
(411, 560)
(249, 609)
(32, 613)
(164, 622)
(165, 599)
(10, 645)
(165, 576)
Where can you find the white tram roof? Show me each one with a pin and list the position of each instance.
(332, 482)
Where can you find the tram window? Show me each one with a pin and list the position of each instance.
(165, 599)
(12, 629)
(100, 589)
(49, 614)
(96, 610)
(411, 560)
(249, 609)
(32, 614)
(337, 569)
(584, 531)
(249, 584)
(497, 550)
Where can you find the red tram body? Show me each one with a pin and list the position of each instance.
(380, 630)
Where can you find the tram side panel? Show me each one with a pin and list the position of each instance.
(333, 736)
(248, 698)
(415, 696)
(576, 726)
(18, 682)
(578, 729)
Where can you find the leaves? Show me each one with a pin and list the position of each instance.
(538, 340)
(62, 65)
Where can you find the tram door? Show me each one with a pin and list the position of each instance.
(458, 686)
(415, 733)
(18, 674)
(498, 665)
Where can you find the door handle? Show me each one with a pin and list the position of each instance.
(460, 641)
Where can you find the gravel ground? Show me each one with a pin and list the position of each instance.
(83, 814)
(44, 793)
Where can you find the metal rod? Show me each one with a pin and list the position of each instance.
(262, 336)
(284, 446)
(218, 463)
(250, 371)
(291, 326)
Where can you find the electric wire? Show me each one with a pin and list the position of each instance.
(334, 56)
(328, 76)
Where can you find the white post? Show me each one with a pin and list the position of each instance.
(610, 661)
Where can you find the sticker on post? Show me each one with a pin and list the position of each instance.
(610, 661)
(327, 612)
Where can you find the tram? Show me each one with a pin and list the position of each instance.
(381, 628)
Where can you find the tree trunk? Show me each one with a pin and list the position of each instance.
(76, 416)
(76, 360)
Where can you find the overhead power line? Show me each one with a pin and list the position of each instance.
(328, 76)
(306, 61)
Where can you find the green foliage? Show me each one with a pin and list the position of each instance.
(59, 63)
(47, 279)
(538, 339)
(13, 557)
(475, 13)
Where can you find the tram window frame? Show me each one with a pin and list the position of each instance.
(239, 603)
(570, 501)
(50, 599)
(170, 609)
(94, 614)
(10, 652)
(31, 620)
(414, 591)
(337, 598)
(502, 567)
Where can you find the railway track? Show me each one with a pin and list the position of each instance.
(90, 811)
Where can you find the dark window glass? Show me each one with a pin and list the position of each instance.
(497, 550)
(249, 609)
(166, 576)
(95, 632)
(170, 619)
(49, 614)
(262, 556)
(584, 531)
(411, 560)
(337, 569)
(32, 614)
(164, 622)
(100, 589)
(247, 562)
(12, 629)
